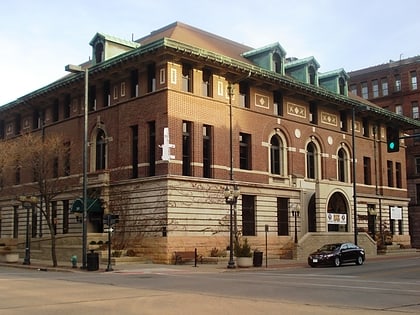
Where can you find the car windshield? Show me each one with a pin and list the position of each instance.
(328, 248)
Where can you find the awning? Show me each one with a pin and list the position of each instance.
(93, 205)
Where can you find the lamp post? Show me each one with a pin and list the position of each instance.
(78, 69)
(353, 144)
(295, 214)
(28, 203)
(231, 197)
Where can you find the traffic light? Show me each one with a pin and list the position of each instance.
(392, 139)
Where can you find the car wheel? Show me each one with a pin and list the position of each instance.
(337, 261)
(359, 260)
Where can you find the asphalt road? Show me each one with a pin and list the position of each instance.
(389, 286)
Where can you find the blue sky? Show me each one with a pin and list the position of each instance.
(38, 38)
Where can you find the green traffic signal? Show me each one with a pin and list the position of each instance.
(393, 139)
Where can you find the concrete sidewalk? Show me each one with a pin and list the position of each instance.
(141, 267)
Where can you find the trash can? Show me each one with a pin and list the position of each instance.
(257, 259)
(92, 261)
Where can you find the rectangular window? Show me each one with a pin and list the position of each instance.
(1, 129)
(135, 151)
(54, 215)
(67, 159)
(384, 85)
(15, 222)
(244, 97)
(66, 211)
(245, 151)
(122, 88)
(207, 84)
(187, 80)
(353, 89)
(186, 148)
(17, 173)
(313, 113)
(371, 220)
(36, 120)
(55, 167)
(34, 219)
(343, 120)
(67, 106)
(282, 216)
(92, 98)
(413, 80)
(115, 92)
(367, 170)
(375, 88)
(107, 93)
(207, 151)
(415, 110)
(397, 83)
(390, 173)
(398, 174)
(417, 162)
(365, 90)
(417, 194)
(278, 103)
(17, 124)
(134, 83)
(55, 110)
(365, 123)
(151, 78)
(152, 148)
(399, 109)
(248, 215)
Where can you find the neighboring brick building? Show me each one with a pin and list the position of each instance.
(395, 87)
(291, 147)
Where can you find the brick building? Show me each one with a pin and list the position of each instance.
(394, 86)
(274, 126)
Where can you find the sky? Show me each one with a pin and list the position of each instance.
(39, 37)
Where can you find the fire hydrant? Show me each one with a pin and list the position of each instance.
(73, 260)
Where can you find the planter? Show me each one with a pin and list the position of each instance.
(12, 257)
(244, 262)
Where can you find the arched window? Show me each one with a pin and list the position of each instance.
(342, 86)
(100, 150)
(276, 63)
(337, 213)
(311, 160)
(275, 155)
(312, 75)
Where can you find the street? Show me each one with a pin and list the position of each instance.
(390, 286)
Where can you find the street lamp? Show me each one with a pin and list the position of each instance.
(79, 69)
(231, 197)
(27, 202)
(295, 214)
(353, 144)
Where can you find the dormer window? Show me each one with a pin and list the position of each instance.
(277, 63)
(99, 52)
(341, 86)
(312, 75)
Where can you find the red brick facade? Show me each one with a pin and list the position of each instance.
(295, 155)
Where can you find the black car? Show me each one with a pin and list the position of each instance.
(337, 254)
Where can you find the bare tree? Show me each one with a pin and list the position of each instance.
(6, 158)
(41, 155)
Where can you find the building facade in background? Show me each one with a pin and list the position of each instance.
(274, 126)
(395, 86)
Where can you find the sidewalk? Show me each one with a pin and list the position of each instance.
(272, 264)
